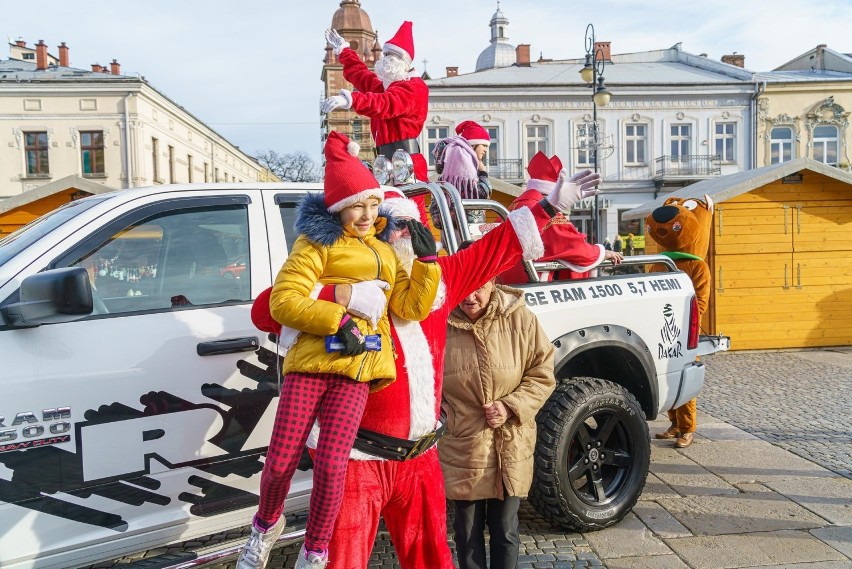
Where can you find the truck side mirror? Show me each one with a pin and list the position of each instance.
(50, 297)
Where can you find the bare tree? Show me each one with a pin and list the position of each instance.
(292, 167)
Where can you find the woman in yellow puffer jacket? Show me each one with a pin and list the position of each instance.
(337, 245)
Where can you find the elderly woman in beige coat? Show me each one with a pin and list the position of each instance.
(498, 373)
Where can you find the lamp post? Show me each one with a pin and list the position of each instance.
(592, 73)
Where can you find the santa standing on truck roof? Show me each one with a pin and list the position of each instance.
(395, 101)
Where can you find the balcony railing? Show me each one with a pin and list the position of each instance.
(688, 166)
(506, 168)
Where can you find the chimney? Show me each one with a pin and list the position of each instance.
(63, 55)
(41, 55)
(734, 59)
(97, 68)
(20, 42)
(522, 55)
(820, 56)
(115, 67)
(452, 71)
(603, 46)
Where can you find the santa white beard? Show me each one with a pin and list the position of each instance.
(390, 70)
(404, 252)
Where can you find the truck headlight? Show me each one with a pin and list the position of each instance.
(382, 170)
(403, 167)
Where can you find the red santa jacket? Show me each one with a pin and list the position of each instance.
(396, 113)
(410, 406)
(561, 241)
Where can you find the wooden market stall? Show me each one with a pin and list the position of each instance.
(780, 253)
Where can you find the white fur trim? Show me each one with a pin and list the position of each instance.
(542, 186)
(353, 148)
(523, 222)
(395, 49)
(584, 268)
(474, 141)
(360, 196)
(440, 296)
(401, 207)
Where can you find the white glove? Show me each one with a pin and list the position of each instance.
(341, 101)
(368, 300)
(336, 42)
(579, 186)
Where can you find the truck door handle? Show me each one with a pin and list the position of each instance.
(228, 346)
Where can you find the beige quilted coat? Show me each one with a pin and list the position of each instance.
(504, 356)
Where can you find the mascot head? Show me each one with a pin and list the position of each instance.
(682, 225)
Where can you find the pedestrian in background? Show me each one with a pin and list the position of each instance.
(498, 373)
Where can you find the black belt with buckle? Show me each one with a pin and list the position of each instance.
(410, 145)
(392, 448)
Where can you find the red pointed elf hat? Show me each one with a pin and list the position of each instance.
(347, 181)
(402, 43)
(473, 132)
(543, 172)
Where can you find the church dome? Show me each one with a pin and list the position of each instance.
(500, 53)
(351, 17)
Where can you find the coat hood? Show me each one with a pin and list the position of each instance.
(504, 301)
(314, 221)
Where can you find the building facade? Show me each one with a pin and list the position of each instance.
(113, 129)
(803, 110)
(674, 118)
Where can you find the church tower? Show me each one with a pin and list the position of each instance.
(353, 24)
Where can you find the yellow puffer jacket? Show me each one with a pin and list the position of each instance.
(348, 260)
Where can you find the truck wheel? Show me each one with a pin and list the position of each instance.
(592, 455)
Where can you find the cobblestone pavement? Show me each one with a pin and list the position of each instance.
(799, 401)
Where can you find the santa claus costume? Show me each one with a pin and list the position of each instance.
(561, 239)
(394, 470)
(395, 101)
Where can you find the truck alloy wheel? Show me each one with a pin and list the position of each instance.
(592, 454)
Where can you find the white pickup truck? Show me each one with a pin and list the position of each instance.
(136, 397)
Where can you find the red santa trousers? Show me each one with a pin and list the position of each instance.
(410, 496)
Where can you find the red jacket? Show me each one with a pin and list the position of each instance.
(395, 113)
(561, 241)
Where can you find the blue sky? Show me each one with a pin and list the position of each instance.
(251, 69)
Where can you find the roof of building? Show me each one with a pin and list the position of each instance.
(820, 58)
(659, 67)
(802, 76)
(498, 54)
(13, 70)
(60, 185)
(350, 17)
(732, 185)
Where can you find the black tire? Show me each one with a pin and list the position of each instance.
(592, 455)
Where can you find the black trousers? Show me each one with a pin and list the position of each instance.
(501, 516)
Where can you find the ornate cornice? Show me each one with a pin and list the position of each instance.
(574, 105)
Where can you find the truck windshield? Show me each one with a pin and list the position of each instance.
(19, 240)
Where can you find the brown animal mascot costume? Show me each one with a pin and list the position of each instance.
(682, 228)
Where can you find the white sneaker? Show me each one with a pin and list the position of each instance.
(256, 551)
(311, 560)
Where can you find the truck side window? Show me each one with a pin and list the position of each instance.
(185, 257)
(288, 218)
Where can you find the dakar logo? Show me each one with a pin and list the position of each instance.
(670, 347)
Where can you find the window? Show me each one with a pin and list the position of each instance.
(635, 141)
(206, 172)
(537, 137)
(357, 130)
(825, 144)
(681, 138)
(171, 164)
(493, 148)
(780, 144)
(28, 56)
(585, 144)
(155, 159)
(35, 147)
(287, 209)
(215, 174)
(433, 135)
(92, 152)
(189, 168)
(726, 138)
(184, 257)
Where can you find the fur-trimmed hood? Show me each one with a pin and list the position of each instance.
(314, 221)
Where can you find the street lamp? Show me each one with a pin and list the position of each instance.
(592, 73)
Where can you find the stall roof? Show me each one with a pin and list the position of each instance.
(60, 185)
(730, 186)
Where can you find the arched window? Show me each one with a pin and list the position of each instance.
(826, 144)
(781, 144)
(500, 32)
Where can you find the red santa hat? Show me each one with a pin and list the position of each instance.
(398, 205)
(347, 181)
(473, 132)
(543, 172)
(402, 43)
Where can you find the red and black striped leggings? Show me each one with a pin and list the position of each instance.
(339, 402)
